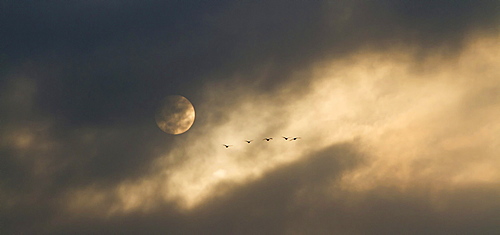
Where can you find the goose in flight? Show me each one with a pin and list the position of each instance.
(267, 139)
(248, 141)
(286, 138)
(294, 138)
(227, 146)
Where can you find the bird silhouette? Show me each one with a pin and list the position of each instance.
(267, 139)
(286, 138)
(248, 141)
(227, 146)
(294, 138)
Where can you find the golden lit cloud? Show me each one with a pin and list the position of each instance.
(435, 126)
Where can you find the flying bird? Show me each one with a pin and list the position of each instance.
(267, 139)
(227, 146)
(294, 138)
(286, 138)
(248, 141)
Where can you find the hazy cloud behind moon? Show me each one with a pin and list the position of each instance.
(175, 115)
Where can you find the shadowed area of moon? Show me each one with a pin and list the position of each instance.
(175, 115)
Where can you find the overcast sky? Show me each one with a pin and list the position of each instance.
(396, 103)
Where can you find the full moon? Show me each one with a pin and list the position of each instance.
(175, 115)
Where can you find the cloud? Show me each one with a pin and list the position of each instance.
(307, 197)
(411, 137)
(396, 104)
(119, 63)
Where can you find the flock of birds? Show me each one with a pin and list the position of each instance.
(266, 139)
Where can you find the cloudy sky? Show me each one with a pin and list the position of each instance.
(396, 103)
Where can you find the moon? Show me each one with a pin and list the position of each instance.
(175, 115)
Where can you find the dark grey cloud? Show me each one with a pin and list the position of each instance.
(118, 59)
(305, 197)
(80, 81)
